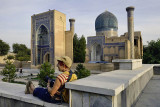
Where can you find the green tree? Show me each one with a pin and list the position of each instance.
(79, 46)
(151, 52)
(82, 46)
(9, 72)
(22, 56)
(45, 70)
(81, 71)
(75, 48)
(22, 52)
(4, 48)
(19, 47)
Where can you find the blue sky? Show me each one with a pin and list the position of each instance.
(15, 16)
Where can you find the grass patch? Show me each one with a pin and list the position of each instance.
(19, 82)
(34, 78)
(16, 82)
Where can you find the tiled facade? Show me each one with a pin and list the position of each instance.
(48, 37)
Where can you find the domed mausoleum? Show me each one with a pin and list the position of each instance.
(106, 24)
(106, 45)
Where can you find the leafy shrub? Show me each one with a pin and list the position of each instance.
(81, 71)
(9, 72)
(45, 70)
(9, 57)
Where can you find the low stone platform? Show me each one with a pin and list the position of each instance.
(12, 95)
(119, 88)
(128, 64)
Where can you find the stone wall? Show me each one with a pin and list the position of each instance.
(22, 64)
(156, 70)
(7, 102)
(83, 99)
(59, 33)
(99, 67)
(128, 96)
(2, 61)
(36, 67)
(69, 44)
(26, 64)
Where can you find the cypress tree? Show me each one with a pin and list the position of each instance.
(79, 46)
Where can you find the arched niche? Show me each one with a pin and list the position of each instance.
(42, 43)
(43, 36)
(96, 52)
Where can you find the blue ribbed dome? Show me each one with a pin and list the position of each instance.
(106, 21)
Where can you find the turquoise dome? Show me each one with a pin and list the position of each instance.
(106, 21)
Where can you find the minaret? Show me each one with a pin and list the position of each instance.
(131, 29)
(69, 39)
(72, 25)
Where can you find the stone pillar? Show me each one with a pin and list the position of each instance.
(131, 29)
(72, 25)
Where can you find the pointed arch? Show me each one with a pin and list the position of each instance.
(42, 35)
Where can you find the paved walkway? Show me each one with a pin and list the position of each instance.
(150, 96)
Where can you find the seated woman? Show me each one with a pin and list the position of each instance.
(57, 93)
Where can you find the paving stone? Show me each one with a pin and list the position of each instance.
(156, 77)
(149, 100)
(153, 87)
(151, 94)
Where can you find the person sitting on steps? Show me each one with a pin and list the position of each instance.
(55, 92)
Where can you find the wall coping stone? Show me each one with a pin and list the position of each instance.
(109, 83)
(126, 60)
(16, 91)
